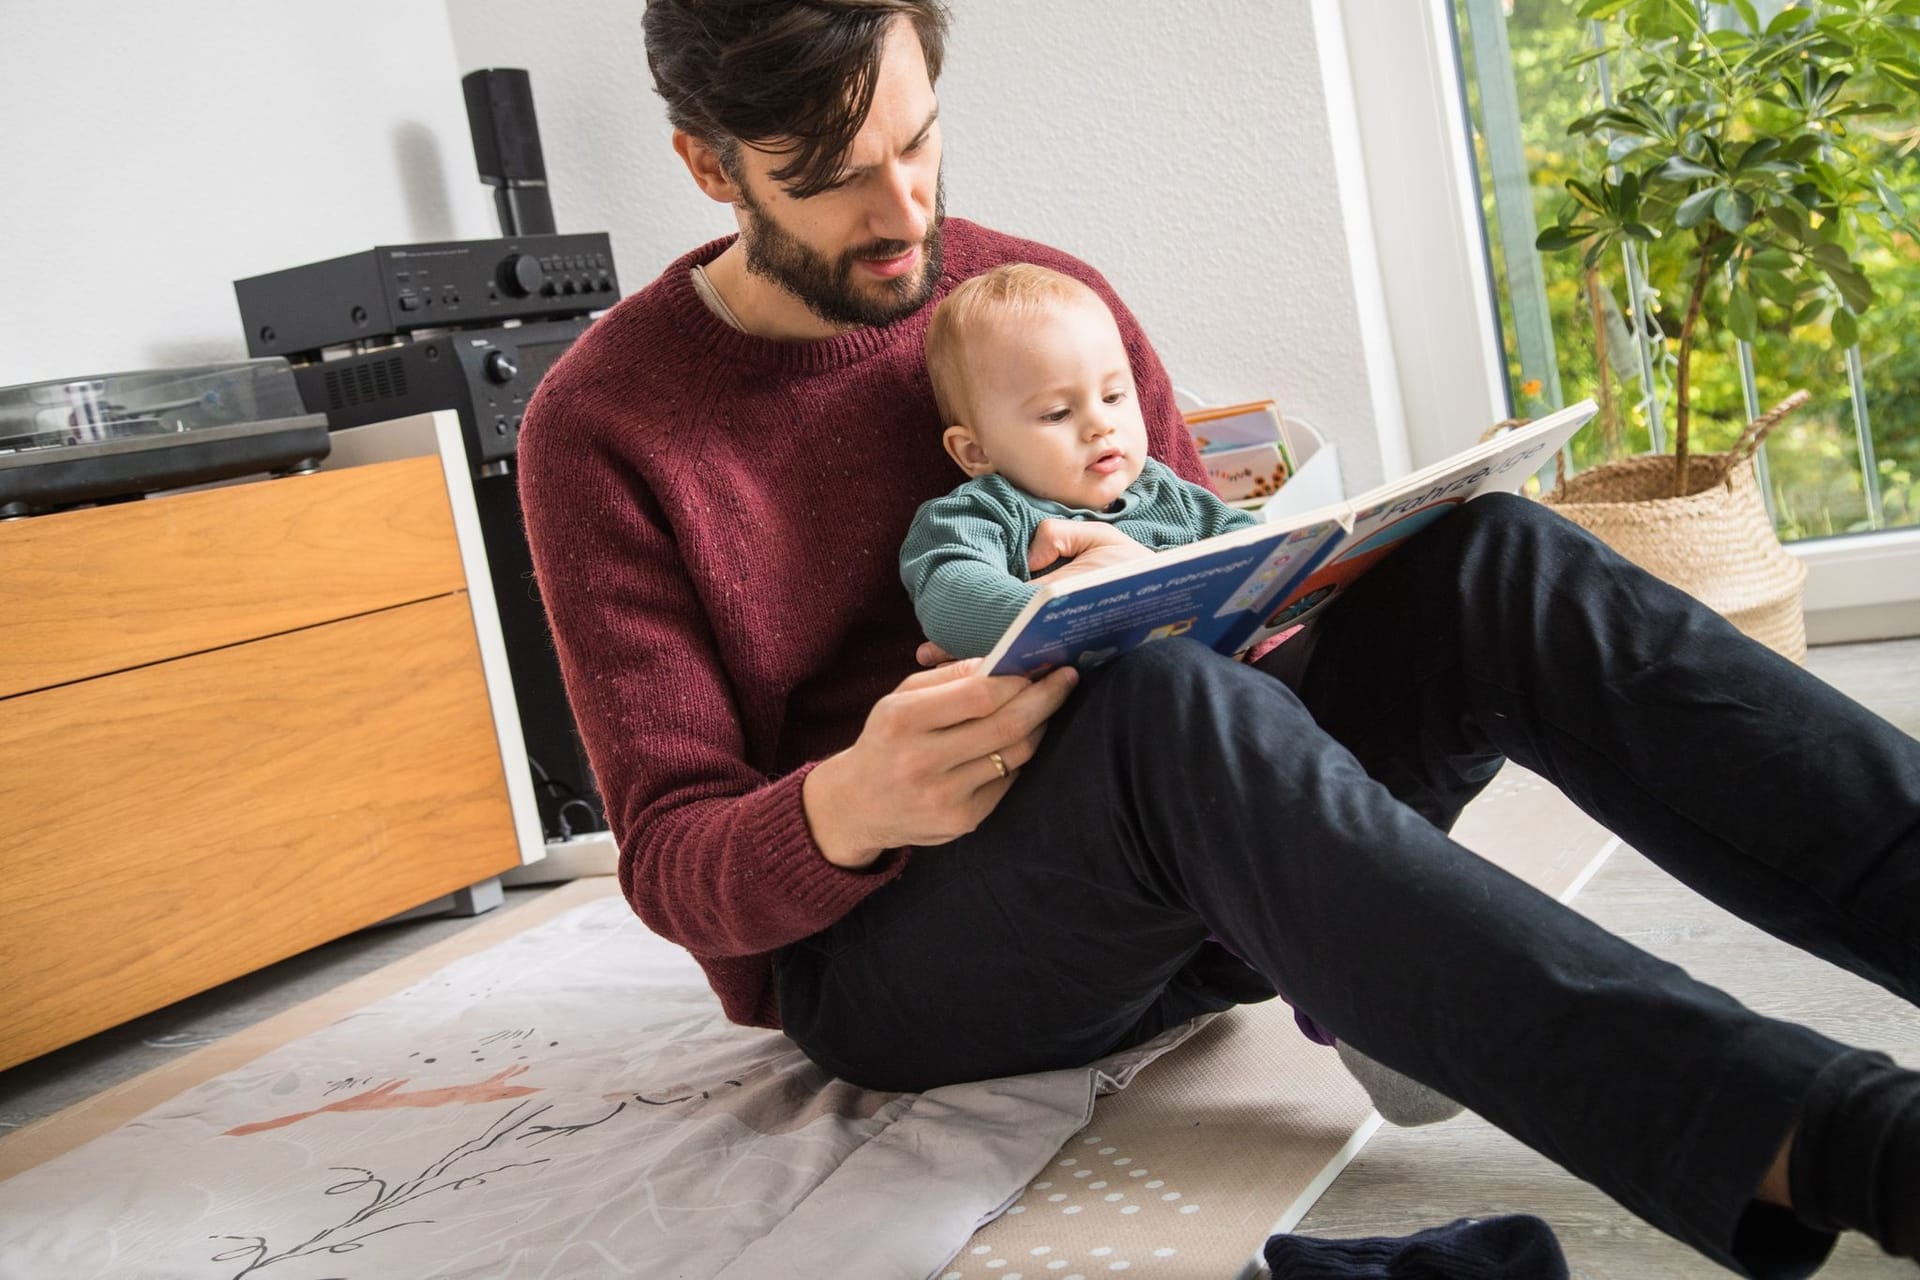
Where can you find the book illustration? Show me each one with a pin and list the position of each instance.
(1246, 471)
(1232, 591)
(1244, 449)
(1360, 552)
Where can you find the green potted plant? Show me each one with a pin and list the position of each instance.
(1735, 144)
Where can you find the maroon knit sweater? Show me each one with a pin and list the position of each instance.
(716, 521)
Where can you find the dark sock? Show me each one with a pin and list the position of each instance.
(1855, 1162)
(1514, 1247)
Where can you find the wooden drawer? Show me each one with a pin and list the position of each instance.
(173, 826)
(83, 593)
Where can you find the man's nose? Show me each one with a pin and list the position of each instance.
(900, 213)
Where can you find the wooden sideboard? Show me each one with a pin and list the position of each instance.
(236, 723)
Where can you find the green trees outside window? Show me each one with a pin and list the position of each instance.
(1720, 202)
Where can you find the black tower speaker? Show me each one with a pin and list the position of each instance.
(506, 147)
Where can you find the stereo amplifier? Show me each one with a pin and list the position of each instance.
(396, 289)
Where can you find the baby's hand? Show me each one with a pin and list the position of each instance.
(1086, 545)
(930, 654)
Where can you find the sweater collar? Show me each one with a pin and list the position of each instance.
(1144, 490)
(697, 319)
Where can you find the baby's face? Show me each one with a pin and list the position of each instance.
(1054, 405)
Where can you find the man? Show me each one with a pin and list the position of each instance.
(935, 876)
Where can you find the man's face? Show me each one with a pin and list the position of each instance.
(867, 250)
(1054, 407)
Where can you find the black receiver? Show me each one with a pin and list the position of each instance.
(395, 289)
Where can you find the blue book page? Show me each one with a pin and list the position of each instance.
(1215, 596)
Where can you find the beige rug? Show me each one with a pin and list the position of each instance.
(1182, 1174)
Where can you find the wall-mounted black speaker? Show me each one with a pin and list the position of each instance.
(506, 147)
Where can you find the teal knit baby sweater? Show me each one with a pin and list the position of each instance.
(965, 558)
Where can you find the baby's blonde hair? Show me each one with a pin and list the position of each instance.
(1017, 290)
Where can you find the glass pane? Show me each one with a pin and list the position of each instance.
(1815, 463)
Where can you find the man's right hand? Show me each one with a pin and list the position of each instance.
(922, 772)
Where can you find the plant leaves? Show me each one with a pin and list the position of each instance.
(1586, 195)
(1556, 239)
(1623, 146)
(1758, 150)
(1733, 210)
(1831, 256)
(1695, 209)
(1681, 169)
(1846, 329)
(1742, 318)
(1889, 200)
(1775, 288)
(1788, 18)
(1855, 290)
(1789, 219)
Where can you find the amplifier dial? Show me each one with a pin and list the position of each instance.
(500, 367)
(521, 275)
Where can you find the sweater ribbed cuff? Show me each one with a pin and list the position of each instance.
(821, 891)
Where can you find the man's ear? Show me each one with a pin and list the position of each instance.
(703, 162)
(964, 449)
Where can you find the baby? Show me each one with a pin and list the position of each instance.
(1033, 381)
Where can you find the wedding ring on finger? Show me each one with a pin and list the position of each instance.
(998, 763)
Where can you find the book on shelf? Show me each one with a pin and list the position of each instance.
(1244, 448)
(1235, 590)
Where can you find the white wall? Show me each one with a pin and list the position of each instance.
(154, 153)
(1185, 148)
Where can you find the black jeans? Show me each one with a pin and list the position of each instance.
(1302, 819)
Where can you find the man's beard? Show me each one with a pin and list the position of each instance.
(827, 287)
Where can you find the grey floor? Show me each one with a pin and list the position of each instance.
(1403, 1180)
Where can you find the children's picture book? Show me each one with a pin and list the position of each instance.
(1237, 589)
(1243, 447)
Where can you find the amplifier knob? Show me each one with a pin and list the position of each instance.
(500, 367)
(521, 274)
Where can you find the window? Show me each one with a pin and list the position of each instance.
(1847, 462)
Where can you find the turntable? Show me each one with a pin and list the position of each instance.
(120, 436)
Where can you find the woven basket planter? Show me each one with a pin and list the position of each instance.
(1715, 542)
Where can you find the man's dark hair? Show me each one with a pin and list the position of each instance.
(798, 74)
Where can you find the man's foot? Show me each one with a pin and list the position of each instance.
(1399, 1100)
(1855, 1161)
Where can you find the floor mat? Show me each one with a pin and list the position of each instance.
(553, 1093)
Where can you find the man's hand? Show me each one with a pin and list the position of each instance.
(922, 771)
(1086, 545)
